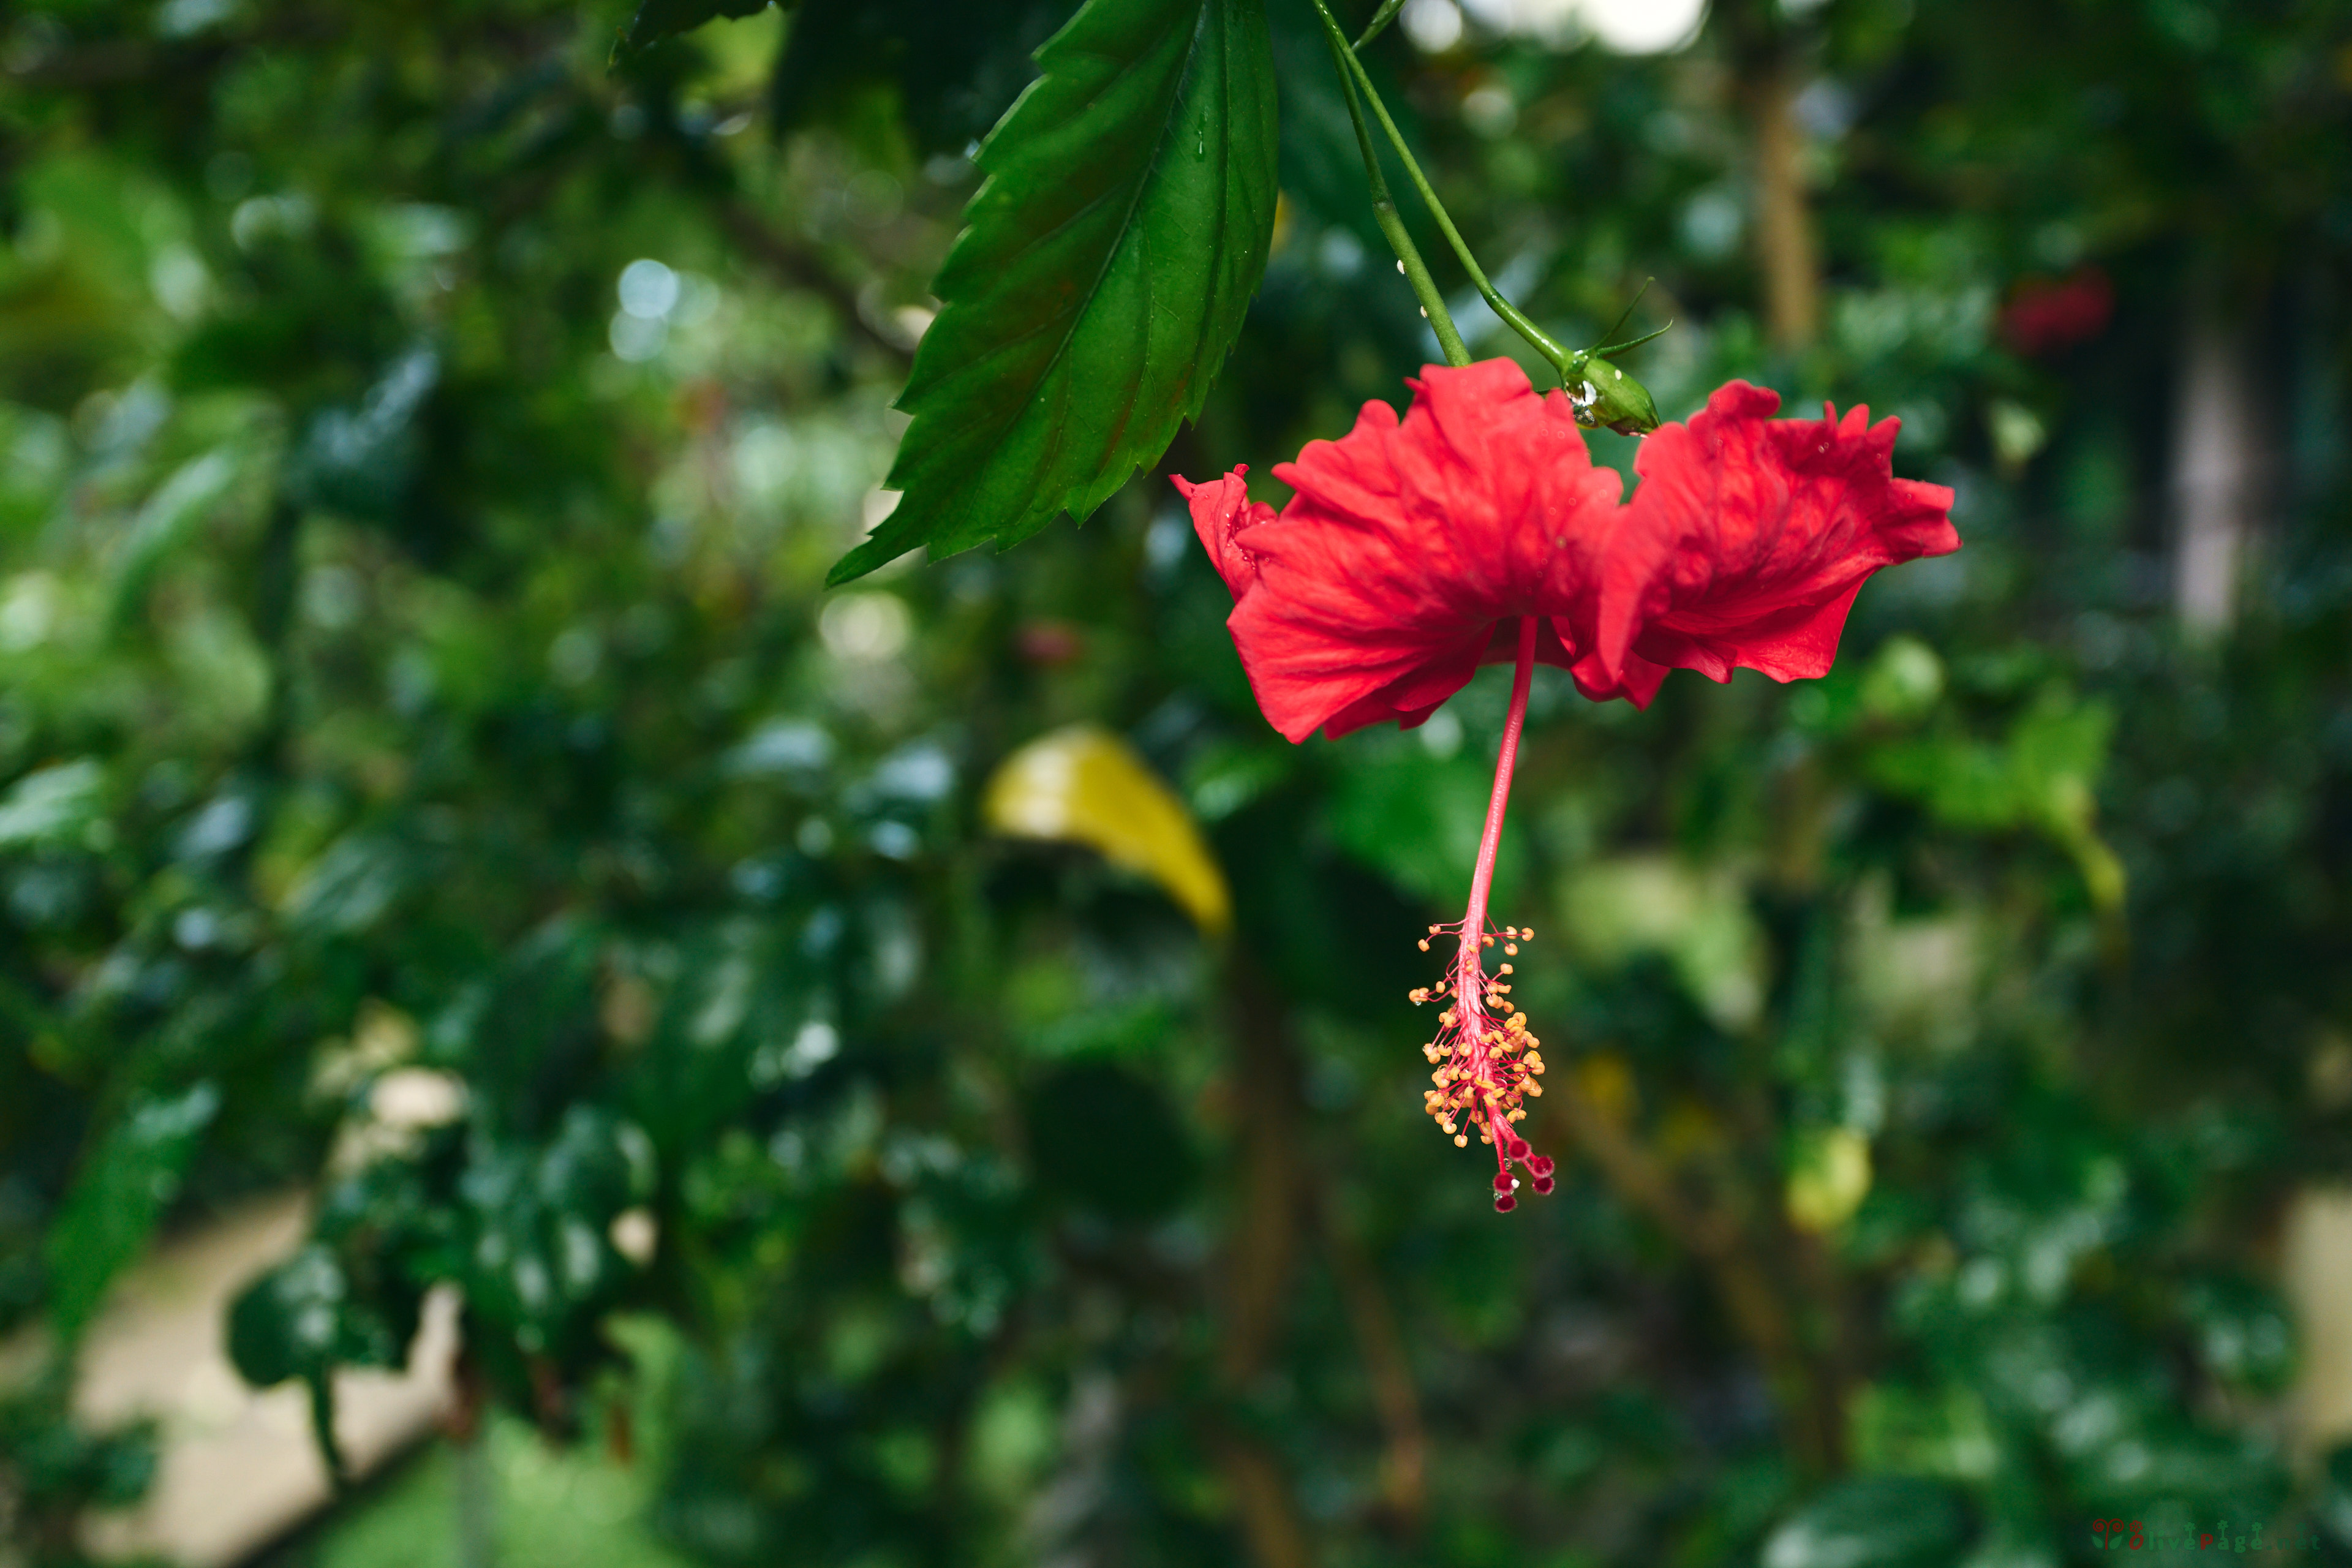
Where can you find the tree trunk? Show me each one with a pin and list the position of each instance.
(2217, 472)
(1787, 250)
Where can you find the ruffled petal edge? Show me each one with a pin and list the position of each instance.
(1222, 511)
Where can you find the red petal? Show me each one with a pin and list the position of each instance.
(1222, 509)
(1379, 589)
(1771, 527)
(1637, 681)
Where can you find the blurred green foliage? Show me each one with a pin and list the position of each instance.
(430, 772)
(554, 1508)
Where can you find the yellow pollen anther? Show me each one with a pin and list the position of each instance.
(1483, 1053)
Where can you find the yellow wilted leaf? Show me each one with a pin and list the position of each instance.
(1085, 785)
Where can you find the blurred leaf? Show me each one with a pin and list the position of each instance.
(62, 803)
(1085, 785)
(795, 749)
(2043, 775)
(1322, 165)
(2051, 756)
(1607, 1081)
(1902, 680)
(1870, 1521)
(541, 1253)
(1108, 1140)
(1828, 1178)
(362, 461)
(348, 888)
(659, 19)
(1418, 818)
(956, 67)
(176, 509)
(302, 1318)
(1619, 908)
(121, 1191)
(1942, 1430)
(1107, 264)
(2336, 1494)
(2244, 1333)
(1225, 777)
(56, 1468)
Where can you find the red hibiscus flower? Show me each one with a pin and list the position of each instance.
(1411, 546)
(1476, 529)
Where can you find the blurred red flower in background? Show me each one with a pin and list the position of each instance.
(2044, 315)
(1049, 644)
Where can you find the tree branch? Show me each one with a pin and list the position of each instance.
(1404, 1466)
(1812, 1416)
(1261, 1254)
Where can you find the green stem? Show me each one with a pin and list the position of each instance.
(1542, 341)
(323, 1429)
(1380, 19)
(1384, 209)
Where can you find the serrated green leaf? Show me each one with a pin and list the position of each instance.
(1106, 266)
(659, 19)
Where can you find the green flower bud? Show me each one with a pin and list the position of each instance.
(1606, 398)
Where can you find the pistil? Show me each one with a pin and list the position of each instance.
(1486, 1062)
